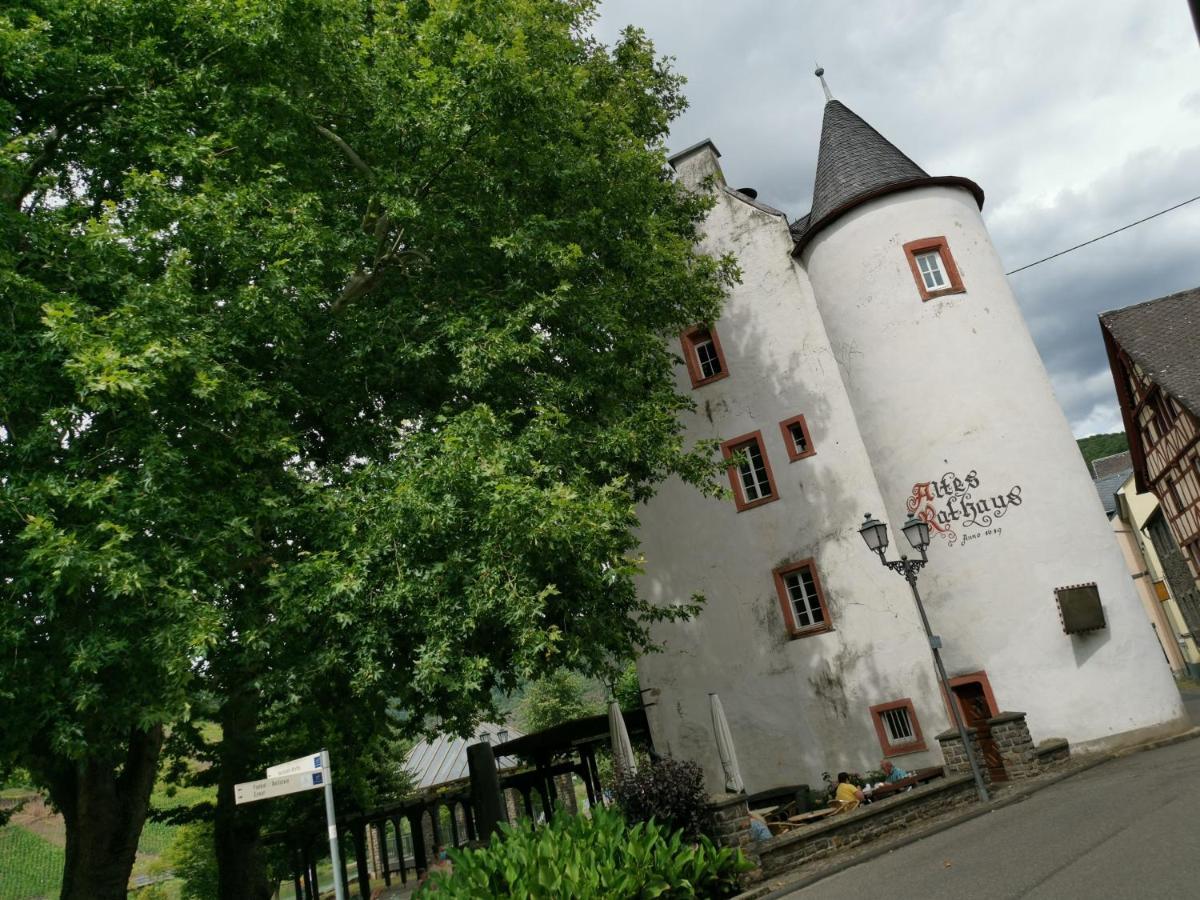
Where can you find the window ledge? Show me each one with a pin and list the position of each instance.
(943, 292)
(754, 504)
(703, 381)
(809, 632)
(906, 749)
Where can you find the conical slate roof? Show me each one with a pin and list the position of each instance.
(856, 163)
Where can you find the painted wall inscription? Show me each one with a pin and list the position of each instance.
(952, 505)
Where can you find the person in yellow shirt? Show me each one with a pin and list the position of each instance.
(847, 795)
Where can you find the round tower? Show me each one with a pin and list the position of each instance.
(1025, 582)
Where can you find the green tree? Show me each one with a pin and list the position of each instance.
(558, 697)
(193, 859)
(335, 362)
(628, 688)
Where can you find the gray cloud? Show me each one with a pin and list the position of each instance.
(1076, 118)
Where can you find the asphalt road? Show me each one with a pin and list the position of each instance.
(1125, 829)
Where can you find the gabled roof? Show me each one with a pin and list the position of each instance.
(1110, 465)
(856, 163)
(1108, 486)
(444, 758)
(1162, 337)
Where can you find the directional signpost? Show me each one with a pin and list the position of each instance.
(304, 774)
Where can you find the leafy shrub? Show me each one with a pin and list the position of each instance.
(669, 791)
(600, 856)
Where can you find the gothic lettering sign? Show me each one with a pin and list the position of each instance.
(961, 509)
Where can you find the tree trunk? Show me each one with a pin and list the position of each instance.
(104, 805)
(241, 870)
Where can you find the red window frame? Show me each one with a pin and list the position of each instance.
(913, 249)
(732, 446)
(785, 428)
(785, 601)
(916, 745)
(688, 340)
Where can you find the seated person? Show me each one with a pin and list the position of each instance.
(892, 773)
(759, 830)
(847, 795)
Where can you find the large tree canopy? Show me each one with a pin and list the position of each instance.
(334, 361)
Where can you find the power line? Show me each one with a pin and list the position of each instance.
(1103, 236)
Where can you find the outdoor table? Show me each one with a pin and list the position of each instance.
(813, 816)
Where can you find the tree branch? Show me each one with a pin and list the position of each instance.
(354, 158)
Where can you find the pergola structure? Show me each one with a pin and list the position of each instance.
(568, 748)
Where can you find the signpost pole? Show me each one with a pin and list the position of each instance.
(339, 886)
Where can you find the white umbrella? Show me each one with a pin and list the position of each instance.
(733, 775)
(622, 750)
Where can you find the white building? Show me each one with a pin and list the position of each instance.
(873, 359)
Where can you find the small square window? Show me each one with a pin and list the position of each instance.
(703, 356)
(897, 727)
(933, 267)
(802, 599)
(796, 438)
(930, 265)
(751, 479)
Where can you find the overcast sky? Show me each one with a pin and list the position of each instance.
(1075, 116)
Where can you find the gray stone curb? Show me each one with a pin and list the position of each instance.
(763, 893)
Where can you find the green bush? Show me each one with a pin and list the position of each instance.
(669, 791)
(600, 856)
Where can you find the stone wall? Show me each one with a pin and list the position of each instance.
(840, 832)
(1053, 750)
(1012, 738)
(731, 828)
(1010, 733)
(955, 757)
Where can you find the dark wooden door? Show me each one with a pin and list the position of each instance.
(976, 711)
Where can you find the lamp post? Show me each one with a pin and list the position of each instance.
(875, 534)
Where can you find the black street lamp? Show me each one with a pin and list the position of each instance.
(875, 534)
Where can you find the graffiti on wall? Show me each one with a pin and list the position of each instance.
(952, 506)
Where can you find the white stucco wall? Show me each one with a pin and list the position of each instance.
(955, 385)
(1141, 508)
(796, 707)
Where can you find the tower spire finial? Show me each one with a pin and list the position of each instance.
(820, 73)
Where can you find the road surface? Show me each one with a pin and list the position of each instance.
(1128, 828)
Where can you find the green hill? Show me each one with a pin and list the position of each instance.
(1098, 446)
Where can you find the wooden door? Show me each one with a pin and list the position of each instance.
(976, 711)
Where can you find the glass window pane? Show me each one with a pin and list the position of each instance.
(798, 437)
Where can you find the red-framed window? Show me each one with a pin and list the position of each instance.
(897, 727)
(933, 267)
(802, 599)
(796, 438)
(751, 479)
(703, 355)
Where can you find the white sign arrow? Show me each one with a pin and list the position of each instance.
(308, 763)
(250, 791)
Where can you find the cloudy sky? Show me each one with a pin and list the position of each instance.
(1075, 116)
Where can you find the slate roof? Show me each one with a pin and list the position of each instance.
(1108, 486)
(1111, 465)
(1163, 337)
(856, 163)
(444, 758)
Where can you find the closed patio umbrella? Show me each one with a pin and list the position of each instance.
(622, 750)
(733, 775)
